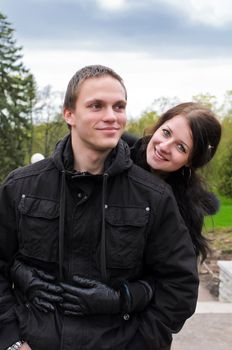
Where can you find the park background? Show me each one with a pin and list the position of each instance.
(167, 51)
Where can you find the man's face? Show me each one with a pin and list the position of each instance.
(99, 117)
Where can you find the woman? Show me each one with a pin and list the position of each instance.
(184, 139)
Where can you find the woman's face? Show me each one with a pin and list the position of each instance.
(170, 146)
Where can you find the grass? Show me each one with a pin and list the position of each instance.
(223, 218)
(218, 229)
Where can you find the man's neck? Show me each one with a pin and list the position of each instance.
(89, 160)
(89, 163)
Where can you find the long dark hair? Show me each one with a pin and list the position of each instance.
(189, 188)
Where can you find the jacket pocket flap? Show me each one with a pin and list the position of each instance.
(37, 207)
(118, 216)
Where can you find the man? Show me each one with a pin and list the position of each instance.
(99, 255)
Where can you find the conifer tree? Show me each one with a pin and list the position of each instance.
(17, 94)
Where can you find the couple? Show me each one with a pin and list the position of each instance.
(94, 253)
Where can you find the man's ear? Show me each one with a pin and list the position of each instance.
(68, 116)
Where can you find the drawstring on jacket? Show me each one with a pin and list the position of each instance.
(119, 161)
(61, 226)
(62, 222)
(103, 231)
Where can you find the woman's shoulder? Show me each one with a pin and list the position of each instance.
(205, 201)
(129, 138)
(210, 203)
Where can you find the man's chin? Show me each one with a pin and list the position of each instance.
(107, 146)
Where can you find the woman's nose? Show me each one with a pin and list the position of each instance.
(165, 146)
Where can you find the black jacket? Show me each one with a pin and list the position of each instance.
(121, 225)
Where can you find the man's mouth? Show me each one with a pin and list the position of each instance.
(109, 128)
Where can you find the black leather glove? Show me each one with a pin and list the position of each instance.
(87, 297)
(39, 287)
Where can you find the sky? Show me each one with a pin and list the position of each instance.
(161, 48)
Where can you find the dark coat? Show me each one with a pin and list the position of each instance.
(57, 219)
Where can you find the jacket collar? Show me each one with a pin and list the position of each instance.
(117, 161)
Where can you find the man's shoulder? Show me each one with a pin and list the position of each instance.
(147, 179)
(37, 168)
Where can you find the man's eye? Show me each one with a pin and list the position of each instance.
(95, 106)
(120, 107)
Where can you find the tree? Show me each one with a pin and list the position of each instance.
(137, 127)
(161, 104)
(17, 93)
(49, 126)
(225, 184)
(225, 165)
(226, 108)
(207, 100)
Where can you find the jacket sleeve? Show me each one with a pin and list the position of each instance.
(9, 332)
(171, 260)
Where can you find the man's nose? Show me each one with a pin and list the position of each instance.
(109, 114)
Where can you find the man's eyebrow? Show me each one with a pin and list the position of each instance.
(92, 99)
(98, 100)
(121, 101)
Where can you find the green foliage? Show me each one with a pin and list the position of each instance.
(46, 135)
(137, 127)
(17, 92)
(207, 100)
(225, 183)
(223, 218)
(222, 161)
(219, 171)
(226, 107)
(48, 123)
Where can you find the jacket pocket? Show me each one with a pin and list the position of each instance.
(38, 228)
(125, 236)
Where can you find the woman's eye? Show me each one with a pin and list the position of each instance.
(166, 132)
(181, 148)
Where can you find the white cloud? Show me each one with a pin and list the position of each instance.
(211, 12)
(112, 5)
(215, 13)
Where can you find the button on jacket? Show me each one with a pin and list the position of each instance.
(121, 225)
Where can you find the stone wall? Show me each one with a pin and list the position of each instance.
(225, 277)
